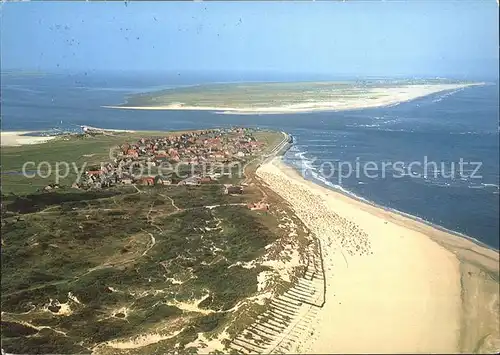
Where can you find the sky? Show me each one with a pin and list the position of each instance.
(364, 38)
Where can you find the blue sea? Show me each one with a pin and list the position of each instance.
(445, 128)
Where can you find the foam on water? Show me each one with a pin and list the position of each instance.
(321, 141)
(445, 95)
(315, 176)
(333, 145)
(305, 168)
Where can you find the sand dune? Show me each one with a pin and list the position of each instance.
(394, 285)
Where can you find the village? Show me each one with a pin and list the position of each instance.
(213, 156)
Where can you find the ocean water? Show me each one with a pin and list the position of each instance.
(445, 129)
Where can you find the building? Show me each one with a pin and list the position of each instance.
(162, 181)
(193, 180)
(148, 181)
(94, 172)
(230, 189)
(132, 153)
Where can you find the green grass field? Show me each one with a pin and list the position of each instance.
(78, 150)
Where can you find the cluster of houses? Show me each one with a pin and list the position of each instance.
(156, 160)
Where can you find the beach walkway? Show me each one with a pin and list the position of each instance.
(290, 314)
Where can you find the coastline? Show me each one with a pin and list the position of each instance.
(386, 97)
(281, 154)
(391, 211)
(19, 138)
(446, 274)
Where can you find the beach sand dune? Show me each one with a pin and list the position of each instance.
(394, 285)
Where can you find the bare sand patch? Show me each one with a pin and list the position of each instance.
(207, 345)
(142, 340)
(192, 306)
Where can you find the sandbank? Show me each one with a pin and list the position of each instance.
(18, 138)
(369, 98)
(393, 284)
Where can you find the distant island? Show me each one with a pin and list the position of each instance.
(279, 98)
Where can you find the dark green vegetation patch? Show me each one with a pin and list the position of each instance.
(119, 250)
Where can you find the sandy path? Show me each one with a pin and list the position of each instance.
(390, 288)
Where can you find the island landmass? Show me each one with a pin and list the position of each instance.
(280, 98)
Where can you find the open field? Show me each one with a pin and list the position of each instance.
(269, 98)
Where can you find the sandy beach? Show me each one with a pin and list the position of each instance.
(17, 138)
(86, 128)
(373, 97)
(393, 284)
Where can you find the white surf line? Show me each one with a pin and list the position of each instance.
(85, 127)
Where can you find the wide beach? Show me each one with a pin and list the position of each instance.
(393, 284)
